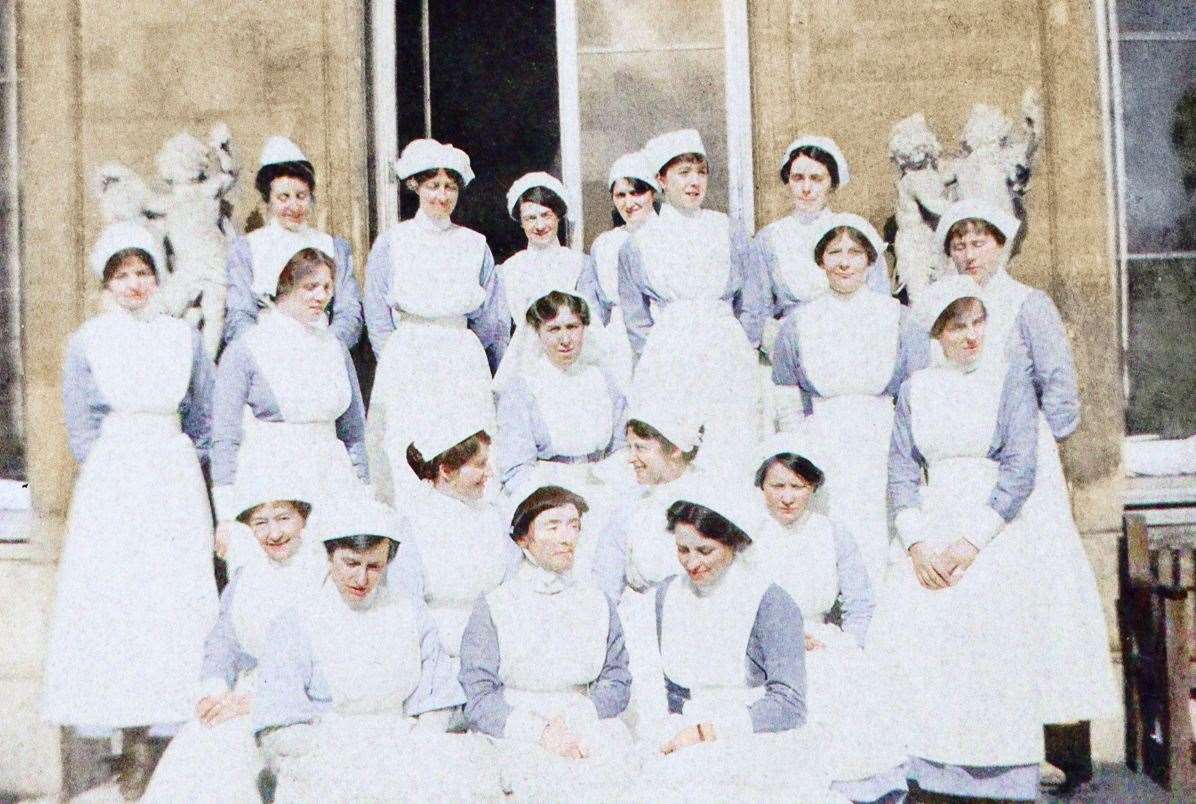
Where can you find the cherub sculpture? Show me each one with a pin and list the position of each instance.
(193, 218)
(921, 199)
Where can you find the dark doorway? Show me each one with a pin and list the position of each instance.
(493, 94)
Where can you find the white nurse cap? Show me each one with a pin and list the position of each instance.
(794, 444)
(978, 208)
(280, 149)
(837, 219)
(537, 179)
(823, 144)
(359, 516)
(446, 420)
(938, 296)
(429, 154)
(731, 500)
(664, 147)
(121, 235)
(632, 166)
(254, 489)
(679, 426)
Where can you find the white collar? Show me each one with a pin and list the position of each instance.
(670, 212)
(639, 224)
(540, 580)
(808, 219)
(432, 224)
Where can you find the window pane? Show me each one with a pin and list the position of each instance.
(1159, 111)
(1156, 15)
(1162, 347)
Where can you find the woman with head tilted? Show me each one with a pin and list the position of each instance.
(286, 182)
(543, 663)
(435, 307)
(841, 357)
(136, 594)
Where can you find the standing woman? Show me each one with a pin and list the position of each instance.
(286, 181)
(136, 592)
(847, 352)
(963, 622)
(633, 188)
(301, 386)
(682, 287)
(1025, 326)
(435, 307)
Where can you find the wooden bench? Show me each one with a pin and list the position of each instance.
(1156, 609)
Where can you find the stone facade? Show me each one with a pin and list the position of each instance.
(111, 79)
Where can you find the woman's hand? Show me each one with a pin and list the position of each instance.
(814, 644)
(690, 735)
(558, 739)
(927, 573)
(224, 531)
(215, 709)
(956, 559)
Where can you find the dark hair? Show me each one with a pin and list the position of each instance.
(549, 306)
(953, 311)
(424, 175)
(856, 236)
(119, 257)
(645, 430)
(691, 158)
(802, 467)
(546, 198)
(360, 542)
(638, 186)
(301, 170)
(968, 225)
(543, 499)
(304, 509)
(299, 267)
(708, 522)
(450, 460)
(818, 155)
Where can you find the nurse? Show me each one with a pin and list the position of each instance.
(543, 663)
(435, 307)
(847, 352)
(958, 623)
(1024, 324)
(214, 757)
(633, 189)
(681, 286)
(286, 181)
(355, 673)
(137, 391)
(301, 386)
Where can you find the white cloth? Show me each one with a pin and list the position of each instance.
(976, 208)
(426, 154)
(536, 179)
(651, 549)
(271, 248)
(138, 543)
(280, 149)
(663, 147)
(574, 404)
(632, 166)
(793, 239)
(940, 295)
(825, 144)
(121, 235)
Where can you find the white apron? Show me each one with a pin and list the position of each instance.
(1079, 633)
(305, 369)
(434, 286)
(136, 591)
(848, 349)
(696, 352)
(844, 692)
(792, 242)
(552, 637)
(963, 659)
(271, 248)
(605, 251)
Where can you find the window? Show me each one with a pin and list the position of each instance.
(12, 428)
(1153, 64)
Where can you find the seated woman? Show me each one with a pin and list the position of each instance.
(818, 563)
(543, 664)
(214, 757)
(959, 622)
(733, 657)
(456, 542)
(346, 674)
(301, 387)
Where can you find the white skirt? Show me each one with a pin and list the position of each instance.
(307, 452)
(136, 588)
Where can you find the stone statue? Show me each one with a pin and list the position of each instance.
(193, 218)
(921, 198)
(995, 160)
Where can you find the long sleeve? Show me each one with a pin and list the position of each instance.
(878, 277)
(637, 316)
(913, 352)
(756, 295)
(379, 320)
(492, 321)
(610, 555)
(905, 469)
(223, 657)
(856, 601)
(233, 377)
(611, 692)
(195, 410)
(241, 306)
(486, 708)
(346, 298)
(83, 407)
(1053, 370)
(590, 288)
(619, 411)
(786, 355)
(516, 448)
(350, 425)
(438, 687)
(776, 653)
(284, 676)
(1017, 445)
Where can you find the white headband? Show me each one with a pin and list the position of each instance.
(980, 209)
(632, 166)
(427, 154)
(823, 144)
(938, 296)
(281, 149)
(662, 148)
(537, 179)
(120, 236)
